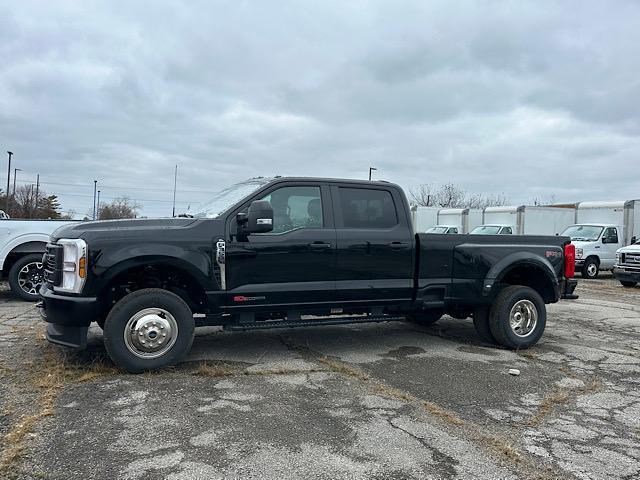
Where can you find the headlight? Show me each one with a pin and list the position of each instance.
(578, 253)
(617, 258)
(74, 265)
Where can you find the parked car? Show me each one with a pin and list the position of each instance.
(442, 229)
(627, 266)
(287, 252)
(493, 230)
(596, 246)
(22, 244)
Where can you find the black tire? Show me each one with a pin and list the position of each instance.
(481, 323)
(174, 311)
(425, 317)
(590, 269)
(35, 277)
(628, 284)
(500, 316)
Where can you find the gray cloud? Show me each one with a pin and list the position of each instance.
(527, 99)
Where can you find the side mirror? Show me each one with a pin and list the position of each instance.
(260, 217)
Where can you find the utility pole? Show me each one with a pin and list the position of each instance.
(14, 180)
(98, 208)
(37, 190)
(370, 170)
(13, 196)
(175, 183)
(8, 180)
(95, 190)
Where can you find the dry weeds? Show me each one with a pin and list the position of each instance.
(46, 377)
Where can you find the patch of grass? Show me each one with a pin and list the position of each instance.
(47, 376)
(438, 411)
(503, 448)
(393, 393)
(214, 371)
(343, 368)
(528, 354)
(561, 396)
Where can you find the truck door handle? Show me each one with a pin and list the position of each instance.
(398, 245)
(320, 245)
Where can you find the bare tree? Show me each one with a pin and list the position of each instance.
(451, 195)
(122, 207)
(25, 204)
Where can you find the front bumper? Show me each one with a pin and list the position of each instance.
(68, 318)
(579, 263)
(626, 275)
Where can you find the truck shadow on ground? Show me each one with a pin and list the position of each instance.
(359, 344)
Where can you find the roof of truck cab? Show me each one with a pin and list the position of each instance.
(378, 183)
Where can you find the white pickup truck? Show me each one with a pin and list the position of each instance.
(22, 244)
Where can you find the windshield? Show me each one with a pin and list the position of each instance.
(485, 230)
(437, 230)
(228, 197)
(583, 233)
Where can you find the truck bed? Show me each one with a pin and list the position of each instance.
(459, 268)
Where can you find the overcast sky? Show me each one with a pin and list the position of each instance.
(529, 99)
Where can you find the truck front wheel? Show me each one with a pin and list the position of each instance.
(518, 317)
(148, 329)
(590, 269)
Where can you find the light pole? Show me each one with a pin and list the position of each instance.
(8, 180)
(98, 207)
(95, 190)
(175, 183)
(371, 169)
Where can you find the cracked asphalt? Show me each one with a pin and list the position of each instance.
(381, 401)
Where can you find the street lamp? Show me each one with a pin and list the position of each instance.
(370, 170)
(8, 180)
(98, 207)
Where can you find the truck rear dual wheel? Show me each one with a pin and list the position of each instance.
(518, 317)
(148, 329)
(26, 276)
(481, 324)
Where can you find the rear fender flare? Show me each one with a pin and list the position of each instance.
(515, 260)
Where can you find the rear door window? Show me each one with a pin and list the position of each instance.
(367, 208)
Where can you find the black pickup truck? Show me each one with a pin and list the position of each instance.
(286, 252)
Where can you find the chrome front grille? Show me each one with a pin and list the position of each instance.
(52, 262)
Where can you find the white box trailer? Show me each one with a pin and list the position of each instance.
(530, 219)
(623, 213)
(424, 217)
(501, 216)
(466, 219)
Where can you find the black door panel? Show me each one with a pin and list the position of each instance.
(293, 265)
(374, 261)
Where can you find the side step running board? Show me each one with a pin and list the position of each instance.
(266, 324)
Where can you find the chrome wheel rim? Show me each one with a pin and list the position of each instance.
(31, 278)
(592, 269)
(151, 333)
(523, 318)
